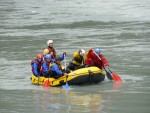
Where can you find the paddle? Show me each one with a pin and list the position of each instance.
(115, 76)
(107, 73)
(66, 85)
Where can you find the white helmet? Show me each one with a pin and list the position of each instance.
(82, 52)
(49, 42)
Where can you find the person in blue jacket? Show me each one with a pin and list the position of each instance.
(46, 65)
(36, 65)
(56, 68)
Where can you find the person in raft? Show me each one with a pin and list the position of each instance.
(45, 52)
(95, 58)
(56, 68)
(51, 49)
(46, 64)
(77, 61)
(36, 65)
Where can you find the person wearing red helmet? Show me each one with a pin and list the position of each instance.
(36, 65)
(95, 58)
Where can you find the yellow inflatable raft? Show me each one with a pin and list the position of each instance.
(78, 77)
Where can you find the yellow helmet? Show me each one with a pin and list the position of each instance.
(45, 51)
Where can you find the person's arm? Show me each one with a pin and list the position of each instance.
(104, 60)
(62, 57)
(45, 68)
(57, 70)
(35, 69)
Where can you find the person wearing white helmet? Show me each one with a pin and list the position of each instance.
(50, 43)
(51, 49)
(77, 61)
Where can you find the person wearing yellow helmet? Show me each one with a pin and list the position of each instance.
(45, 51)
(77, 60)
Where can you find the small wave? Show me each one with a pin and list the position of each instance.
(73, 25)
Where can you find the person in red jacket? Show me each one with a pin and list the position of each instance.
(95, 58)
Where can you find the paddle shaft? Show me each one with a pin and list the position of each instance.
(65, 62)
(65, 67)
(109, 70)
(100, 60)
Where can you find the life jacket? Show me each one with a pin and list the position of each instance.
(38, 63)
(59, 66)
(50, 65)
(77, 59)
(51, 49)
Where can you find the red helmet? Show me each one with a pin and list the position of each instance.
(39, 56)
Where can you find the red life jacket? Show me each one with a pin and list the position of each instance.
(52, 51)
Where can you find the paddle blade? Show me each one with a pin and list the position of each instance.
(46, 84)
(67, 85)
(109, 75)
(116, 77)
